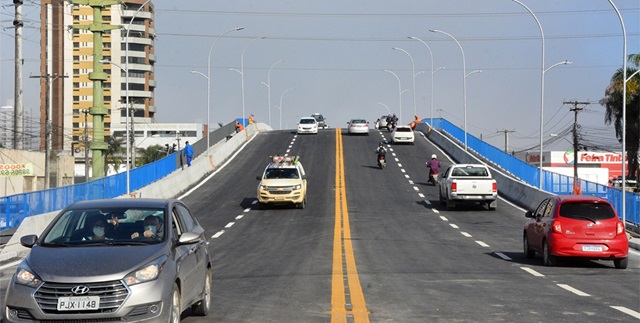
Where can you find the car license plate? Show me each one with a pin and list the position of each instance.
(83, 303)
(592, 248)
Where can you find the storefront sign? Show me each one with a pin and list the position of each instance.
(16, 170)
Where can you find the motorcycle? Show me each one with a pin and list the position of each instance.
(382, 161)
(433, 178)
(391, 125)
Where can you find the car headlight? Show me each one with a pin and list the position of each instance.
(297, 187)
(263, 187)
(147, 273)
(25, 276)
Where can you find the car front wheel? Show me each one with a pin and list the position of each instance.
(204, 306)
(174, 316)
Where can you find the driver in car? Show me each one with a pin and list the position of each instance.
(151, 228)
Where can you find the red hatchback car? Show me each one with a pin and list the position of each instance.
(576, 226)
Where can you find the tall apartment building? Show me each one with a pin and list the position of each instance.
(69, 52)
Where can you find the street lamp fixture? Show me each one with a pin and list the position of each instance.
(413, 73)
(399, 93)
(464, 81)
(242, 73)
(268, 85)
(384, 105)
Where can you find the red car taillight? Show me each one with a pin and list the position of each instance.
(620, 228)
(494, 187)
(454, 187)
(556, 226)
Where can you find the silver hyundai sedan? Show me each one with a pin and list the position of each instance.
(113, 260)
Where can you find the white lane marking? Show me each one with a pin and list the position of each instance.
(397, 160)
(403, 170)
(217, 235)
(503, 256)
(411, 182)
(399, 165)
(482, 244)
(247, 210)
(465, 234)
(573, 290)
(454, 226)
(217, 170)
(287, 152)
(229, 225)
(422, 196)
(290, 146)
(239, 217)
(415, 188)
(532, 272)
(393, 154)
(436, 211)
(407, 176)
(11, 264)
(443, 218)
(627, 311)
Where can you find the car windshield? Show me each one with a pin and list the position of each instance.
(272, 173)
(403, 129)
(587, 210)
(307, 121)
(358, 121)
(107, 226)
(318, 117)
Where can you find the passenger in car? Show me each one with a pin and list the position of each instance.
(98, 231)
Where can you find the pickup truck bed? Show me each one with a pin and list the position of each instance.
(468, 184)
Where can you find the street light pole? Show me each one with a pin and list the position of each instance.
(242, 73)
(399, 93)
(268, 85)
(624, 111)
(280, 107)
(413, 73)
(208, 77)
(385, 107)
(432, 72)
(464, 82)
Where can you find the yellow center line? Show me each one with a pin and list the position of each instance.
(343, 254)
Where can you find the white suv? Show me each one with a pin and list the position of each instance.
(402, 134)
(283, 182)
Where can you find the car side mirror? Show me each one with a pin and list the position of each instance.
(304, 177)
(188, 238)
(29, 240)
(529, 214)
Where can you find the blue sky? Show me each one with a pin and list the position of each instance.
(336, 52)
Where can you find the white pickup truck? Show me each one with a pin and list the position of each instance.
(468, 184)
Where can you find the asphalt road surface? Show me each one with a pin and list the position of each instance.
(376, 245)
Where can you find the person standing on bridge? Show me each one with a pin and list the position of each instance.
(188, 152)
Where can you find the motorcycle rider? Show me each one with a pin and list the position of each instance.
(381, 151)
(434, 165)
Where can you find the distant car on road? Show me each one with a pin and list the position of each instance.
(322, 124)
(113, 260)
(402, 134)
(575, 226)
(307, 125)
(358, 126)
(381, 123)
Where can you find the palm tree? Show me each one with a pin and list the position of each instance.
(613, 114)
(152, 153)
(114, 153)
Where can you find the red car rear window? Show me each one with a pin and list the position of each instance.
(587, 211)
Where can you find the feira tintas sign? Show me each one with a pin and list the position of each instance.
(25, 169)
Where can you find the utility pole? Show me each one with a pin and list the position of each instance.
(98, 76)
(48, 79)
(575, 109)
(18, 131)
(506, 139)
(86, 145)
(132, 139)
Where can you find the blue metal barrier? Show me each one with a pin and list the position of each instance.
(551, 182)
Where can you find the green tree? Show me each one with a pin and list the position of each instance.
(152, 153)
(113, 154)
(613, 105)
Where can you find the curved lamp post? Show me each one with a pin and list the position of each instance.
(432, 72)
(399, 93)
(464, 82)
(208, 77)
(280, 106)
(268, 85)
(413, 73)
(384, 105)
(242, 73)
(624, 109)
